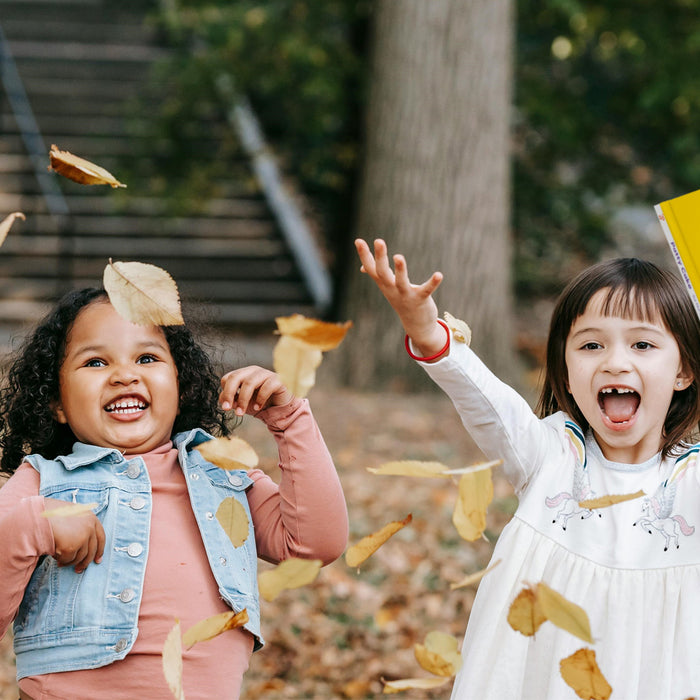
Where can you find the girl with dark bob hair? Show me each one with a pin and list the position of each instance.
(113, 523)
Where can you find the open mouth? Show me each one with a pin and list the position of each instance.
(125, 406)
(618, 403)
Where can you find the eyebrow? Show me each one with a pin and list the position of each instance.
(101, 348)
(644, 328)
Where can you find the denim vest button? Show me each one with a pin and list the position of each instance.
(121, 645)
(194, 476)
(235, 480)
(127, 595)
(210, 516)
(133, 470)
(222, 561)
(137, 502)
(134, 549)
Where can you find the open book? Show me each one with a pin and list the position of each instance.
(680, 221)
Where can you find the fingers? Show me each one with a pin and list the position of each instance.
(250, 389)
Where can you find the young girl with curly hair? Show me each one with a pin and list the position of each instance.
(98, 410)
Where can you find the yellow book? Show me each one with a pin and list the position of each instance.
(680, 221)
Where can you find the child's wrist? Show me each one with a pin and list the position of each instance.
(430, 347)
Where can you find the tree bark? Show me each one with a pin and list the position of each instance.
(436, 180)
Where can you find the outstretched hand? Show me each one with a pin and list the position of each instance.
(413, 303)
(250, 389)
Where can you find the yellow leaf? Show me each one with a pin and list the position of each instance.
(563, 613)
(70, 510)
(172, 662)
(368, 545)
(233, 518)
(611, 500)
(295, 362)
(439, 654)
(229, 453)
(581, 672)
(213, 626)
(290, 573)
(480, 466)
(391, 687)
(525, 615)
(475, 577)
(320, 335)
(6, 224)
(410, 468)
(475, 494)
(460, 330)
(143, 293)
(80, 170)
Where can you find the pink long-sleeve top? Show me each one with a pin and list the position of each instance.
(304, 516)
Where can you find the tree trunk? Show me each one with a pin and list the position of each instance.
(435, 184)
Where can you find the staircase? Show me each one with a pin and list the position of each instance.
(83, 65)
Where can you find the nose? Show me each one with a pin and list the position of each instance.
(124, 374)
(617, 359)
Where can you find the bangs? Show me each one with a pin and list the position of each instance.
(633, 302)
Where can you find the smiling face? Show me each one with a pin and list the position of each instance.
(118, 383)
(622, 373)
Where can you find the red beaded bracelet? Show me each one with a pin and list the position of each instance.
(437, 354)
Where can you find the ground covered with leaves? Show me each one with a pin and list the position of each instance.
(338, 637)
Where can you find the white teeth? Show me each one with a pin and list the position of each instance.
(611, 390)
(125, 406)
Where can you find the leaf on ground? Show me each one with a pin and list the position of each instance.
(172, 662)
(229, 453)
(80, 170)
(213, 626)
(581, 672)
(563, 613)
(475, 494)
(70, 510)
(439, 654)
(143, 293)
(410, 468)
(399, 686)
(611, 500)
(320, 335)
(295, 362)
(233, 518)
(355, 555)
(525, 614)
(6, 224)
(475, 577)
(290, 573)
(460, 330)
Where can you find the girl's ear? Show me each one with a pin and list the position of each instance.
(683, 381)
(57, 411)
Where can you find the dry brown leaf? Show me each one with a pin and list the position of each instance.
(213, 626)
(475, 577)
(525, 614)
(320, 335)
(233, 518)
(563, 613)
(6, 224)
(70, 510)
(611, 500)
(143, 293)
(460, 330)
(80, 170)
(410, 468)
(172, 662)
(391, 687)
(355, 555)
(229, 453)
(475, 494)
(295, 362)
(290, 573)
(581, 672)
(439, 654)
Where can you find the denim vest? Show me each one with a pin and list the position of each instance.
(70, 621)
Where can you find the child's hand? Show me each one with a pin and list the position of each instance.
(412, 302)
(250, 389)
(79, 539)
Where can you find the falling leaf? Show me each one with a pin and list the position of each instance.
(290, 573)
(581, 672)
(229, 453)
(474, 468)
(391, 687)
(460, 330)
(563, 613)
(320, 335)
(233, 518)
(80, 170)
(410, 468)
(475, 494)
(525, 614)
(295, 362)
(172, 662)
(143, 293)
(475, 577)
(6, 224)
(439, 654)
(605, 501)
(69, 511)
(367, 546)
(214, 626)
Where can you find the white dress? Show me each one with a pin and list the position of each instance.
(633, 567)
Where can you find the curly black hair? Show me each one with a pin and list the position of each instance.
(31, 389)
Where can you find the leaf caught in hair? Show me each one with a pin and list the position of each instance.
(611, 500)
(214, 626)
(70, 510)
(228, 453)
(460, 330)
(475, 577)
(234, 519)
(320, 335)
(143, 293)
(410, 468)
(80, 170)
(172, 662)
(391, 687)
(563, 613)
(580, 671)
(439, 654)
(290, 573)
(525, 614)
(295, 362)
(355, 555)
(6, 224)
(475, 494)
